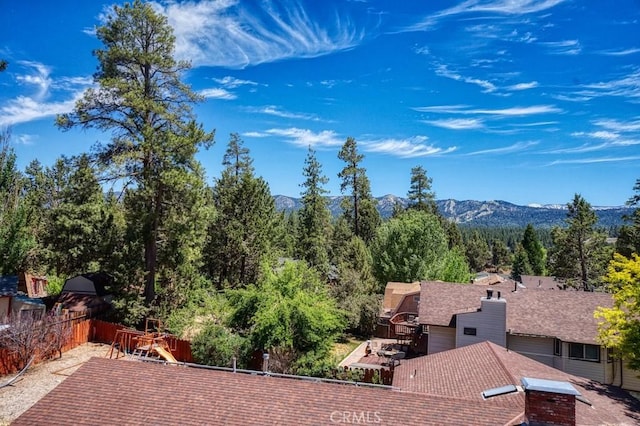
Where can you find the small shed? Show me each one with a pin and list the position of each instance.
(91, 284)
(89, 293)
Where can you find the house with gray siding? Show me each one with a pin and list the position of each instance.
(554, 327)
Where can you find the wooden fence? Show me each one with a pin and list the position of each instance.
(85, 330)
(382, 376)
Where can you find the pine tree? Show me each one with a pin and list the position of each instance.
(477, 251)
(520, 265)
(73, 236)
(629, 235)
(15, 238)
(579, 253)
(140, 99)
(242, 232)
(360, 207)
(315, 218)
(420, 195)
(535, 252)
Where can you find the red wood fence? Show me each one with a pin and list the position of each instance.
(84, 330)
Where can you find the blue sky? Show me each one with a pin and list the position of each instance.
(528, 101)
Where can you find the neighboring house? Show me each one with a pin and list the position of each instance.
(554, 327)
(32, 285)
(475, 372)
(441, 389)
(14, 303)
(399, 298)
(543, 283)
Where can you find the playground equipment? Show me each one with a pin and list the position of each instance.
(152, 343)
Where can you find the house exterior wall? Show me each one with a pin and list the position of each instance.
(588, 369)
(536, 348)
(409, 303)
(441, 339)
(4, 307)
(489, 322)
(630, 378)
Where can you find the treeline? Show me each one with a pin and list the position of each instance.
(218, 262)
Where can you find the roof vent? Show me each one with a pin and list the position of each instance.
(265, 362)
(489, 294)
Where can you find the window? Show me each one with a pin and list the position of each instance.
(416, 299)
(557, 347)
(469, 331)
(584, 352)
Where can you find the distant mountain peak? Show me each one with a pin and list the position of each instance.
(491, 213)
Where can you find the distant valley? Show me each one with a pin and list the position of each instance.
(480, 213)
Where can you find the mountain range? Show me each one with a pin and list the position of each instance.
(479, 213)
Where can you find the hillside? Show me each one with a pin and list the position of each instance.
(480, 213)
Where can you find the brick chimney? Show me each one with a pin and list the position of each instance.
(549, 402)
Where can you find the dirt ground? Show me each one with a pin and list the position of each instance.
(41, 379)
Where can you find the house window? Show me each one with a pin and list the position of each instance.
(469, 331)
(416, 299)
(557, 347)
(584, 352)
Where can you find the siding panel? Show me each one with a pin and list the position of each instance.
(441, 339)
(537, 348)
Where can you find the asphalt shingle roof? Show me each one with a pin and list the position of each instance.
(468, 371)
(567, 315)
(105, 391)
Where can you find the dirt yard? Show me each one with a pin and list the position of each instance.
(41, 379)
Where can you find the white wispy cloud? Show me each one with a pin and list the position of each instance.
(564, 47)
(217, 93)
(623, 52)
(484, 7)
(619, 126)
(26, 139)
(625, 86)
(232, 82)
(612, 139)
(571, 98)
(443, 109)
(443, 71)
(517, 147)
(305, 137)
(39, 77)
(278, 112)
(507, 112)
(236, 34)
(523, 86)
(457, 123)
(405, 148)
(24, 109)
(595, 160)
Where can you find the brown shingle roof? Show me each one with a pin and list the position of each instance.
(394, 292)
(468, 371)
(105, 391)
(567, 315)
(540, 283)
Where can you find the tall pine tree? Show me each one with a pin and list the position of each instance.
(420, 195)
(140, 99)
(579, 253)
(242, 232)
(359, 208)
(314, 226)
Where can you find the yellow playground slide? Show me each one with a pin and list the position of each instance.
(165, 354)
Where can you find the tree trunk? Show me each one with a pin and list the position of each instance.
(150, 257)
